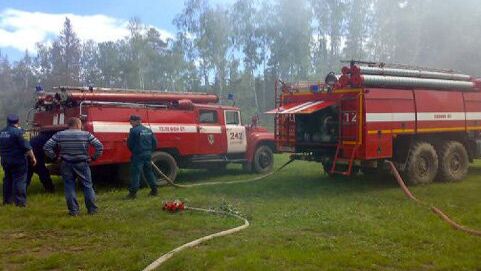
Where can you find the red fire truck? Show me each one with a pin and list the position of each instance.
(192, 129)
(427, 121)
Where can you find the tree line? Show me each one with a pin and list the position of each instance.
(243, 47)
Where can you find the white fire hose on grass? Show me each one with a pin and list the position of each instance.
(171, 253)
(196, 242)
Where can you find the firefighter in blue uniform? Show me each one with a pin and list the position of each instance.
(37, 143)
(14, 150)
(141, 143)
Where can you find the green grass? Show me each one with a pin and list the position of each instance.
(300, 220)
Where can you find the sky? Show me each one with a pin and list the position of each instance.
(23, 23)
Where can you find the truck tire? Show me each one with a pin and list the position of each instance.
(167, 164)
(263, 159)
(453, 162)
(422, 165)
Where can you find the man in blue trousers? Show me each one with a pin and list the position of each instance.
(14, 150)
(73, 144)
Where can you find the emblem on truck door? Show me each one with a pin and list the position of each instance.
(211, 139)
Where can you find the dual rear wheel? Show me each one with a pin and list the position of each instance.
(446, 162)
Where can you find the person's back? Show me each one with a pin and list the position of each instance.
(12, 147)
(141, 141)
(74, 145)
(74, 153)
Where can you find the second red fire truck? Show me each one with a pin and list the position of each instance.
(428, 122)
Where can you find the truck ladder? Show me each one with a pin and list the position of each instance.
(350, 134)
(350, 160)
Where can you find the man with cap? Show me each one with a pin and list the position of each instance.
(141, 143)
(14, 150)
(37, 142)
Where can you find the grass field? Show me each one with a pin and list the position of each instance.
(300, 220)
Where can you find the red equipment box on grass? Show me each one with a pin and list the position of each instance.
(428, 122)
(192, 129)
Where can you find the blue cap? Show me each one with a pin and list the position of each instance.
(12, 118)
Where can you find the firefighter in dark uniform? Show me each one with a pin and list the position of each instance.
(141, 143)
(14, 150)
(37, 143)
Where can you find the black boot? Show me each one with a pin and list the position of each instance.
(154, 193)
(131, 196)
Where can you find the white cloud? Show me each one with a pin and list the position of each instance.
(23, 29)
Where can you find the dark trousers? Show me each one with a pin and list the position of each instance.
(15, 183)
(140, 164)
(43, 175)
(81, 171)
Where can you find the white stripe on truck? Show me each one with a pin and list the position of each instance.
(389, 117)
(159, 128)
(422, 116)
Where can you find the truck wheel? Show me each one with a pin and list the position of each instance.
(167, 164)
(453, 162)
(263, 159)
(422, 165)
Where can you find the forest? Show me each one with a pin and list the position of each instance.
(239, 49)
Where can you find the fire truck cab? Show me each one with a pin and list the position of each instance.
(427, 122)
(192, 129)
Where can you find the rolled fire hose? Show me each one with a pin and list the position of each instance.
(437, 211)
(171, 253)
